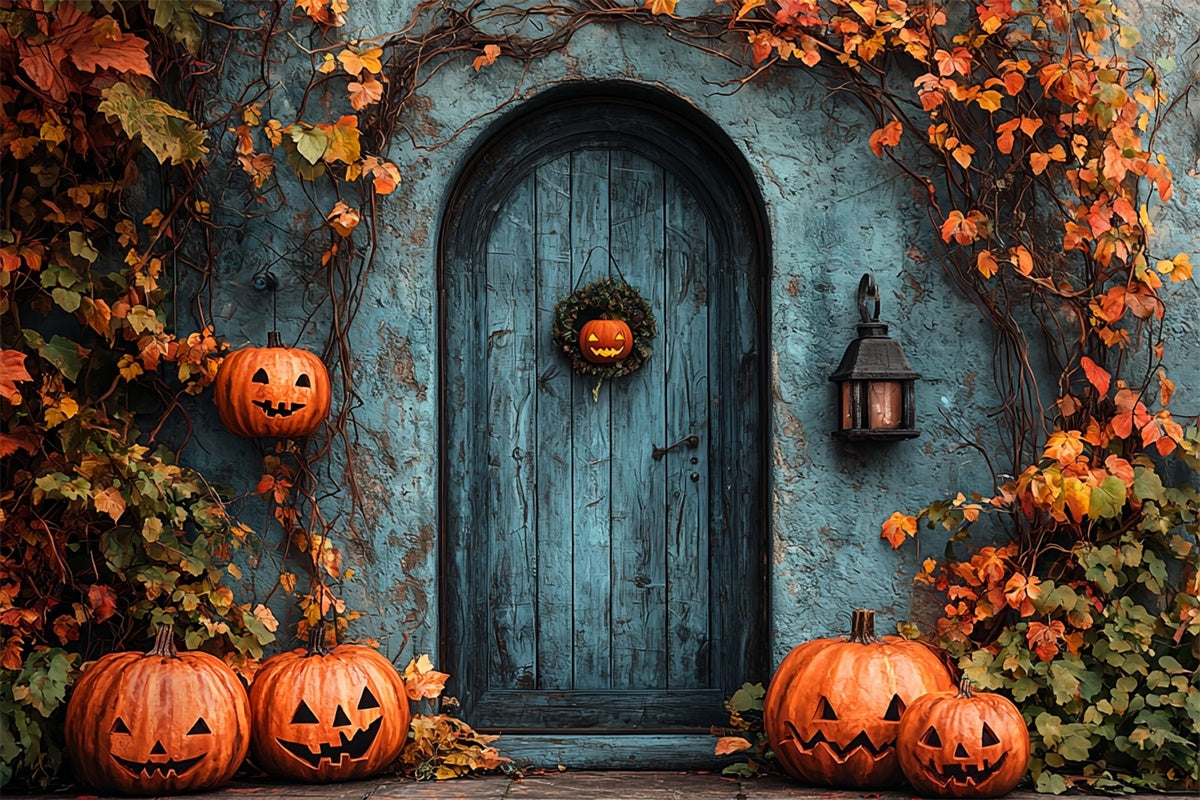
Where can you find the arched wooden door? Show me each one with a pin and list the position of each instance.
(589, 587)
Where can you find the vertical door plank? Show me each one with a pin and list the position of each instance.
(639, 658)
(511, 415)
(554, 456)
(687, 334)
(591, 455)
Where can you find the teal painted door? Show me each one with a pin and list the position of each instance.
(590, 585)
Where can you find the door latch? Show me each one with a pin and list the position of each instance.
(692, 442)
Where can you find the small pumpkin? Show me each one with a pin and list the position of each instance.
(963, 744)
(328, 714)
(157, 723)
(605, 341)
(272, 391)
(833, 707)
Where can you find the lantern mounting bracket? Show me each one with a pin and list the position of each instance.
(868, 298)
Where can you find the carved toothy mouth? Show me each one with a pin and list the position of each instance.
(355, 747)
(840, 751)
(164, 768)
(606, 352)
(284, 409)
(963, 774)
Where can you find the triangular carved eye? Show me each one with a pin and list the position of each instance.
(895, 709)
(620, 337)
(989, 736)
(593, 337)
(119, 726)
(260, 376)
(303, 381)
(303, 715)
(825, 711)
(200, 727)
(931, 738)
(340, 720)
(367, 700)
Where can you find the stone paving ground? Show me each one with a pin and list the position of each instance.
(569, 785)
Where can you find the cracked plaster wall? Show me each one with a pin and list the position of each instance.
(834, 212)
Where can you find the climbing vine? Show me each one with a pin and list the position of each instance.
(1027, 126)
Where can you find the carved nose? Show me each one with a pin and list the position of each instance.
(158, 750)
(960, 751)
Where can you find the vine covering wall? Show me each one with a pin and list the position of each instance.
(134, 163)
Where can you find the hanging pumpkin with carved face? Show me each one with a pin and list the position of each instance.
(964, 744)
(157, 723)
(328, 715)
(605, 341)
(833, 707)
(272, 391)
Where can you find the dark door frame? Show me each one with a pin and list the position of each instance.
(662, 127)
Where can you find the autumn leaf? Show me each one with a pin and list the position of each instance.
(12, 371)
(957, 61)
(1179, 267)
(1022, 259)
(490, 51)
(356, 63)
(661, 6)
(168, 132)
(1021, 591)
(897, 527)
(985, 262)
(990, 100)
(731, 744)
(365, 93)
(1039, 161)
(1043, 639)
(1131, 414)
(103, 601)
(887, 136)
(1064, 447)
(343, 218)
(421, 680)
(109, 501)
(963, 229)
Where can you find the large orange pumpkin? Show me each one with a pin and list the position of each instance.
(328, 715)
(157, 723)
(833, 707)
(272, 391)
(964, 744)
(605, 341)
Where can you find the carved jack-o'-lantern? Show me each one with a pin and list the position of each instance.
(964, 744)
(328, 715)
(605, 341)
(272, 390)
(161, 722)
(833, 706)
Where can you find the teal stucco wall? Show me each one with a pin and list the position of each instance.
(833, 210)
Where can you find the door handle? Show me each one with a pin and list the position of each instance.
(691, 442)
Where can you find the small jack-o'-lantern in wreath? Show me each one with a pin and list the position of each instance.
(605, 341)
(157, 723)
(605, 329)
(964, 744)
(833, 707)
(272, 391)
(328, 715)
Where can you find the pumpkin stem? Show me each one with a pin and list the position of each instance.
(862, 626)
(964, 688)
(274, 339)
(164, 642)
(316, 641)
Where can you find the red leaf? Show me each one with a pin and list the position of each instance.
(1096, 376)
(887, 136)
(12, 370)
(103, 601)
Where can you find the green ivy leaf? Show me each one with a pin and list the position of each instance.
(1107, 499)
(168, 132)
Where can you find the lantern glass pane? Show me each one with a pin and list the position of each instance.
(847, 407)
(884, 405)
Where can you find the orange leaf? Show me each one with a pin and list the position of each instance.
(364, 93)
(421, 680)
(12, 371)
(731, 744)
(1022, 259)
(1064, 446)
(887, 136)
(109, 501)
(1043, 639)
(356, 63)
(1166, 388)
(897, 527)
(985, 262)
(343, 218)
(1078, 497)
(990, 100)
(661, 6)
(490, 51)
(1132, 414)
(103, 601)
(1095, 375)
(1021, 591)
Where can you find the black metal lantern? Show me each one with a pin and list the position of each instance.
(875, 381)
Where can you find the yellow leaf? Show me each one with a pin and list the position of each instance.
(328, 64)
(989, 100)
(356, 63)
(661, 6)
(962, 154)
(749, 6)
(60, 412)
(288, 581)
(1179, 267)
